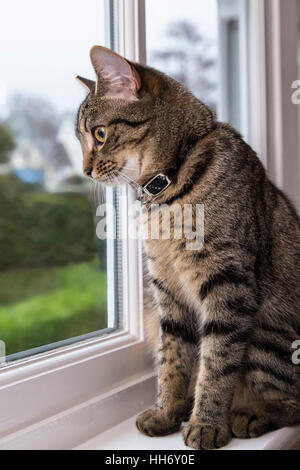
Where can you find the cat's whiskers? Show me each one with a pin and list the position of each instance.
(131, 181)
(92, 193)
(96, 193)
(100, 193)
(138, 187)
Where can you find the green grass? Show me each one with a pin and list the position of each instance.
(44, 305)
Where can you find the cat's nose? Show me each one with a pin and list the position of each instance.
(88, 171)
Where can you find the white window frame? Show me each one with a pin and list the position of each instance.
(233, 10)
(60, 398)
(99, 381)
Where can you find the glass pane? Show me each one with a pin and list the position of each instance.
(52, 266)
(233, 72)
(200, 45)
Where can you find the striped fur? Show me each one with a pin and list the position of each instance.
(222, 319)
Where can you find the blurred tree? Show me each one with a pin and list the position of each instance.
(33, 119)
(7, 144)
(189, 58)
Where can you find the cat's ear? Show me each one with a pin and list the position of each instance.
(89, 84)
(116, 78)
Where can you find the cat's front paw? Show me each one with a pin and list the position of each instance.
(155, 423)
(205, 436)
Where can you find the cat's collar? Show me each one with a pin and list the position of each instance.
(156, 185)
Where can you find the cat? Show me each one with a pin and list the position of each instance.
(226, 314)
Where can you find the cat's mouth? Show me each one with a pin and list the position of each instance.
(111, 177)
(126, 173)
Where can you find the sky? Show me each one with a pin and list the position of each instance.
(45, 43)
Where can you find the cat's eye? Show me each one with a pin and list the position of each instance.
(100, 134)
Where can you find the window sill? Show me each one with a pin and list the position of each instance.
(106, 422)
(69, 428)
(125, 436)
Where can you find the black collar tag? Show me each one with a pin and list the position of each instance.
(157, 185)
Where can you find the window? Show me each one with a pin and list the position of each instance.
(183, 43)
(233, 67)
(53, 269)
(205, 47)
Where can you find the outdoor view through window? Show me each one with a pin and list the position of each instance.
(182, 42)
(199, 44)
(52, 267)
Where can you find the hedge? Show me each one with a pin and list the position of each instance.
(43, 229)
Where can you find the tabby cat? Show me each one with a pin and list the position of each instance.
(226, 314)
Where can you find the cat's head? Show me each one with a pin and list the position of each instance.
(133, 122)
